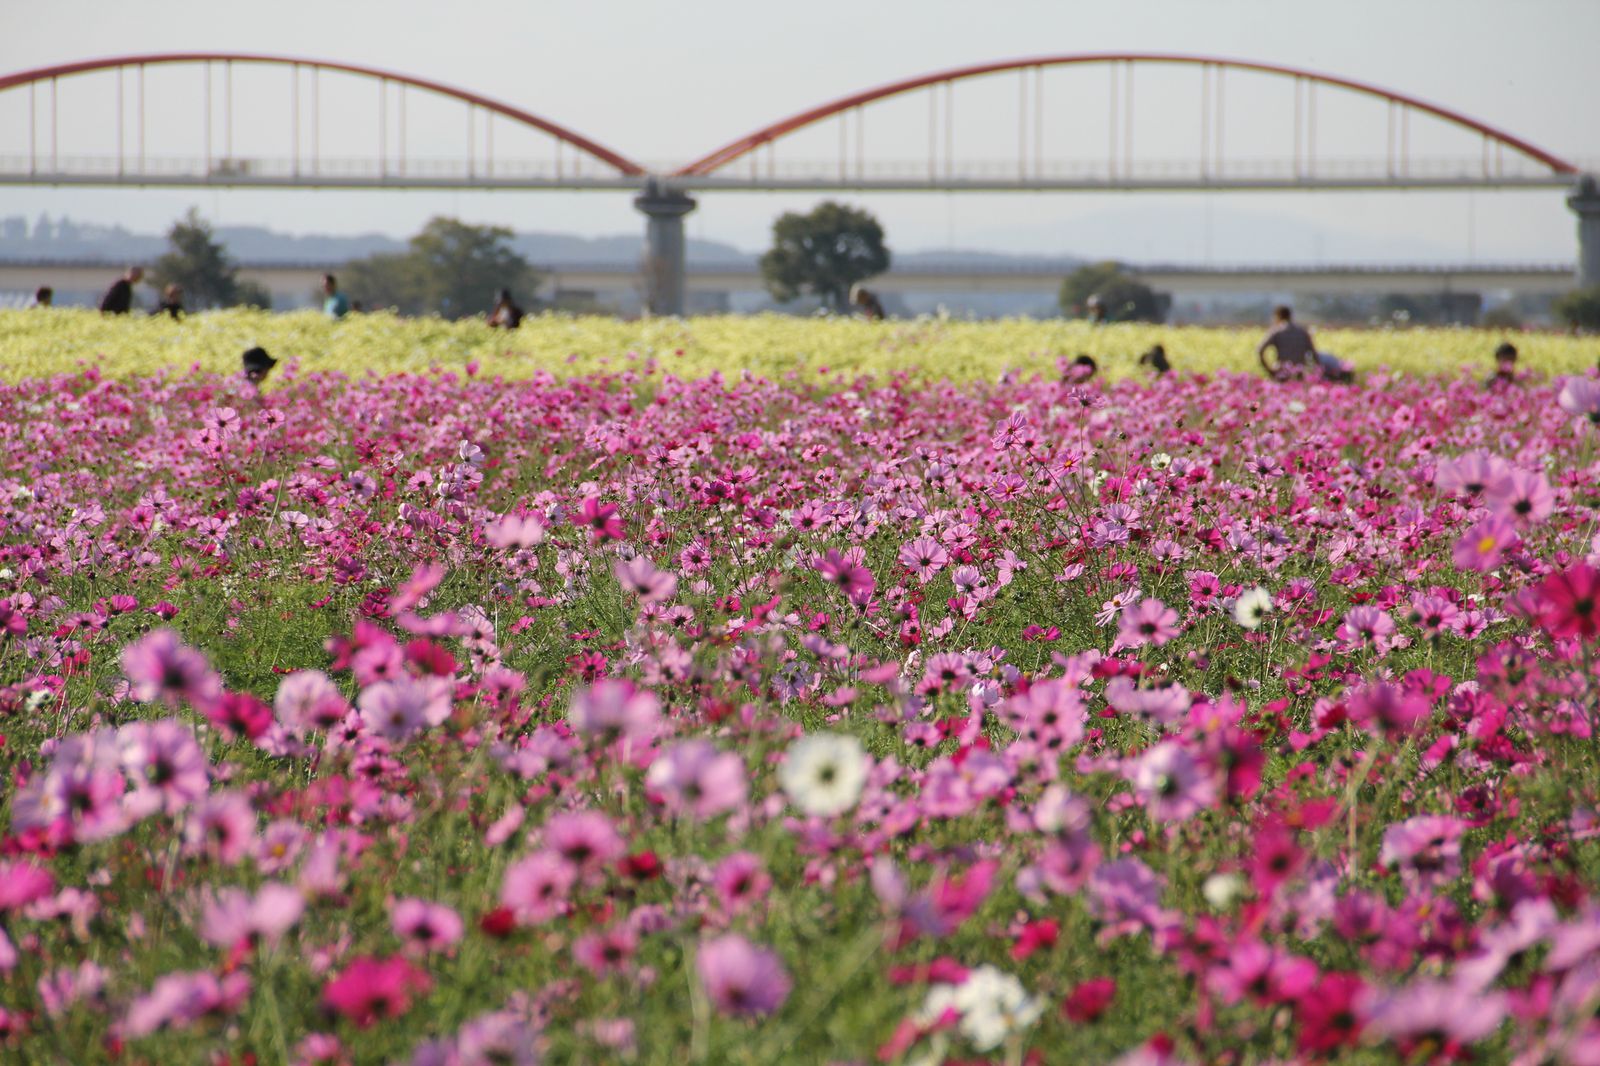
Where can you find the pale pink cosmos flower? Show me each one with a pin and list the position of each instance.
(614, 709)
(536, 888)
(586, 839)
(924, 557)
(741, 979)
(81, 791)
(1444, 1012)
(515, 531)
(1580, 397)
(694, 778)
(398, 710)
(231, 915)
(1426, 848)
(1366, 625)
(1151, 622)
(1483, 546)
(222, 827)
(1172, 784)
(426, 925)
(167, 766)
(178, 1000)
(1469, 474)
(607, 951)
(1523, 496)
(60, 989)
(740, 881)
(161, 667)
(640, 577)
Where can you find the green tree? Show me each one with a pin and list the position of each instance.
(450, 268)
(1123, 298)
(823, 252)
(1580, 308)
(198, 263)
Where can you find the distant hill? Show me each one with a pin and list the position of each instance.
(48, 239)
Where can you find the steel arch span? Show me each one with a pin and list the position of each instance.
(526, 118)
(743, 146)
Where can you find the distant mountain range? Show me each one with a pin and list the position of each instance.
(63, 239)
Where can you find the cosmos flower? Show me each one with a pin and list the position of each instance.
(823, 773)
(740, 978)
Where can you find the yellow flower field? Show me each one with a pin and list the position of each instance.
(43, 342)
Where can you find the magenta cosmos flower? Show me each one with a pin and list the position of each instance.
(371, 988)
(601, 518)
(924, 557)
(1485, 544)
(161, 667)
(740, 978)
(854, 579)
(1568, 602)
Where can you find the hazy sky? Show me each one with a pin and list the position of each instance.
(665, 82)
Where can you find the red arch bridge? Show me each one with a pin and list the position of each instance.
(1043, 123)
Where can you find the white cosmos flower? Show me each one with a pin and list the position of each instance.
(1251, 608)
(823, 773)
(993, 1005)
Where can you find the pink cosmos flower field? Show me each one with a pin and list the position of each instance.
(447, 721)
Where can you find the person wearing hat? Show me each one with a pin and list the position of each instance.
(257, 364)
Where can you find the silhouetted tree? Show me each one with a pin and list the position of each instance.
(1121, 297)
(450, 268)
(823, 252)
(1580, 308)
(199, 263)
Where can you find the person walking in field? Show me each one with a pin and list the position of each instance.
(118, 299)
(506, 313)
(335, 304)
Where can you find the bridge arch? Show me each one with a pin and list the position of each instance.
(743, 146)
(526, 118)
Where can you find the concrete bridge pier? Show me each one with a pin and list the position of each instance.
(1585, 203)
(664, 248)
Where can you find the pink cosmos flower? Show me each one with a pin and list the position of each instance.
(1433, 1014)
(161, 667)
(1470, 474)
(308, 700)
(178, 1000)
(1483, 546)
(231, 915)
(424, 925)
(398, 710)
(693, 778)
(614, 709)
(586, 839)
(740, 978)
(852, 577)
(514, 531)
(221, 827)
(1426, 848)
(640, 577)
(81, 793)
(740, 880)
(1523, 496)
(606, 952)
(924, 557)
(372, 988)
(1567, 603)
(21, 883)
(1366, 626)
(1580, 397)
(1151, 622)
(1172, 784)
(535, 889)
(167, 766)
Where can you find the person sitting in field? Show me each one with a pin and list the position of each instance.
(1156, 359)
(43, 296)
(1294, 354)
(1080, 370)
(866, 303)
(118, 299)
(257, 364)
(171, 302)
(1505, 367)
(506, 314)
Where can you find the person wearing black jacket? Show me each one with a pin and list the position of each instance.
(171, 302)
(118, 299)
